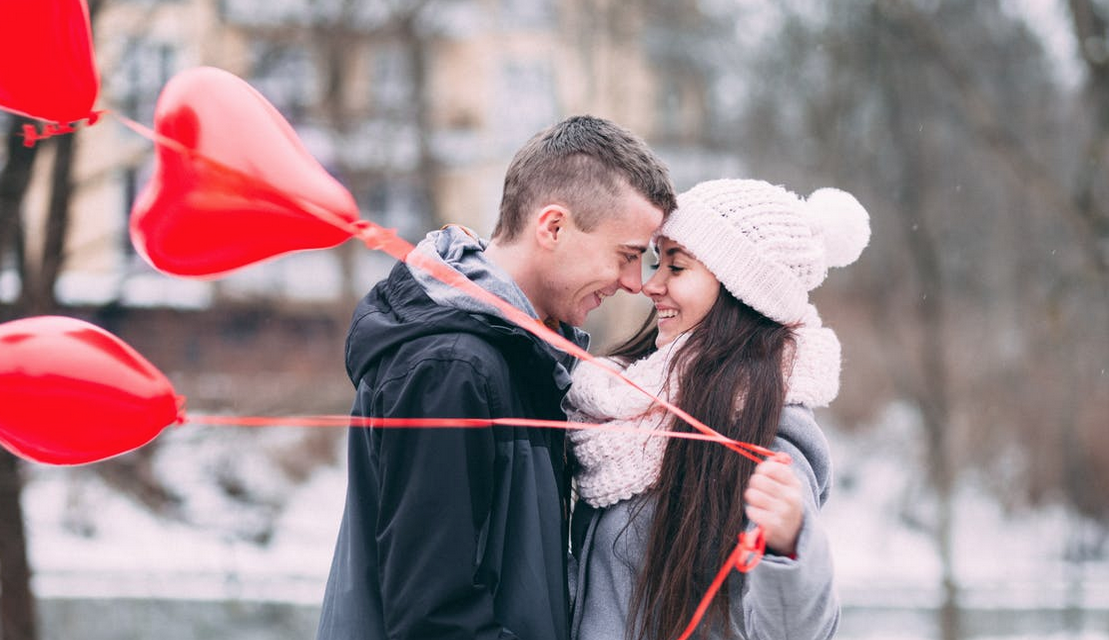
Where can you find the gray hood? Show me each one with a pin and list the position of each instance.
(463, 251)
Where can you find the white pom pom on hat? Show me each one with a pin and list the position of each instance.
(843, 223)
(767, 246)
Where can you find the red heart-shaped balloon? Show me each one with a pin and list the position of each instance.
(232, 183)
(72, 393)
(48, 70)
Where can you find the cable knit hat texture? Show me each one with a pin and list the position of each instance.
(765, 244)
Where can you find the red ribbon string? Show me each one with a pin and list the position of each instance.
(747, 553)
(747, 449)
(751, 545)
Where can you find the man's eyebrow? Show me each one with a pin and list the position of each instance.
(638, 248)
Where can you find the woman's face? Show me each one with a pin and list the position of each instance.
(682, 289)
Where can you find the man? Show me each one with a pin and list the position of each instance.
(461, 533)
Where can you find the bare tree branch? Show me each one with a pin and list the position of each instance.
(17, 603)
(15, 178)
(987, 120)
(1090, 31)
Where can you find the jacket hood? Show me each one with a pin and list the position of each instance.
(398, 310)
(463, 251)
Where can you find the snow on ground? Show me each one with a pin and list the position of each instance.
(86, 540)
(878, 516)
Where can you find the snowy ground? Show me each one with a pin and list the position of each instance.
(86, 541)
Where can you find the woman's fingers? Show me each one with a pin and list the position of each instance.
(773, 500)
(773, 471)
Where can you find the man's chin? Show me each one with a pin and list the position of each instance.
(576, 319)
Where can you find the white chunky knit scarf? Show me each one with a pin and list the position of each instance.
(618, 466)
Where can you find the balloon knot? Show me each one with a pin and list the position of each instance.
(374, 236)
(31, 136)
(180, 419)
(49, 130)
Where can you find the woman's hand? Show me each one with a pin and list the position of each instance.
(773, 500)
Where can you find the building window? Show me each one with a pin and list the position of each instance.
(268, 13)
(133, 180)
(527, 13)
(391, 87)
(285, 75)
(526, 101)
(670, 103)
(400, 203)
(145, 68)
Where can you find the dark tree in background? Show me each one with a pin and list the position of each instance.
(983, 296)
(38, 272)
(38, 269)
(17, 610)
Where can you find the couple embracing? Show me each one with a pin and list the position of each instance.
(468, 533)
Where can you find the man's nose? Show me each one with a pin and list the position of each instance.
(631, 279)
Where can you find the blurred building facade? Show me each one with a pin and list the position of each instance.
(415, 106)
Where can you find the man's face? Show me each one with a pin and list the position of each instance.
(588, 267)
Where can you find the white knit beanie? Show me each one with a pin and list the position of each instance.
(766, 245)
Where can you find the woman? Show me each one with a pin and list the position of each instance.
(733, 341)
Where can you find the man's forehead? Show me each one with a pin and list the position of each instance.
(634, 246)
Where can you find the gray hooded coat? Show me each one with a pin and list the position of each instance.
(781, 598)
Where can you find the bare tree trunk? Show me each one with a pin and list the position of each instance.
(987, 121)
(336, 47)
(17, 603)
(14, 180)
(1074, 553)
(1090, 27)
(931, 395)
(416, 47)
(38, 289)
(931, 388)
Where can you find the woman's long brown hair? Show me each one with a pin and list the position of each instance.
(730, 376)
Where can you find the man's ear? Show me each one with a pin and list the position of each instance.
(554, 220)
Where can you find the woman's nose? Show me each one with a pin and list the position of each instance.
(654, 286)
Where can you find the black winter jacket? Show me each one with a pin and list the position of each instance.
(449, 533)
